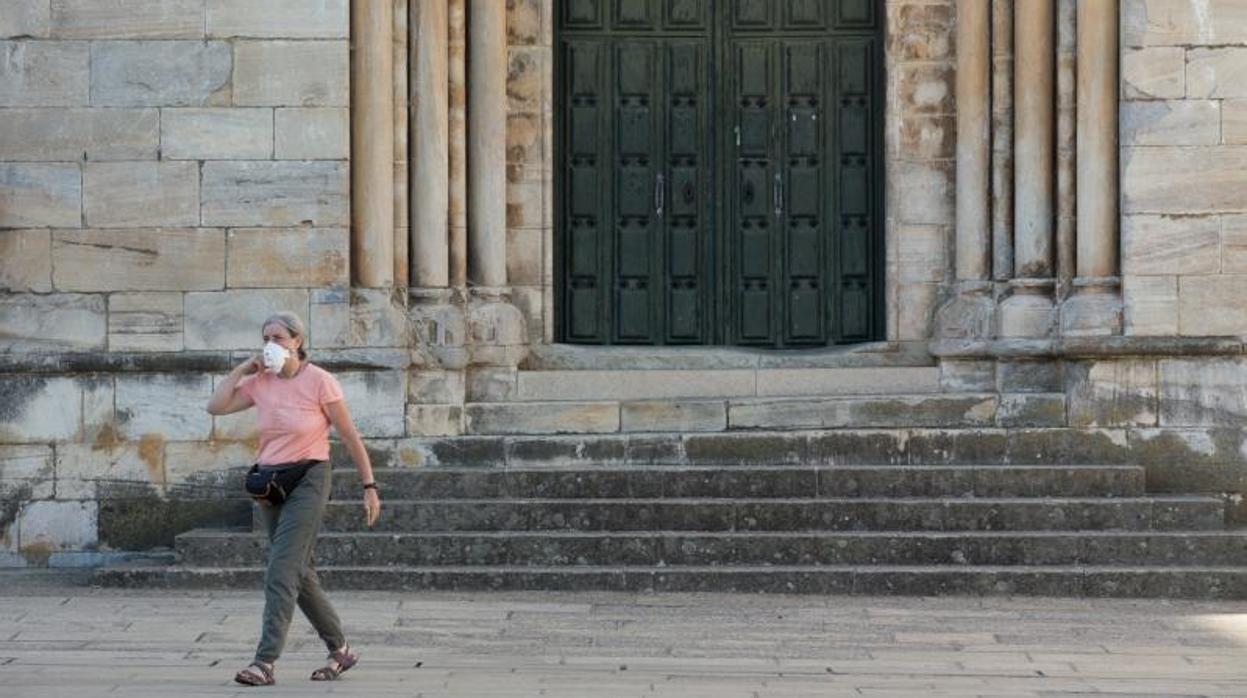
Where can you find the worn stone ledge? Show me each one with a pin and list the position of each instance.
(1086, 347)
(191, 361)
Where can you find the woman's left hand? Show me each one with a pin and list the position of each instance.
(372, 506)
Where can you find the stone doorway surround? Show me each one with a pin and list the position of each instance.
(479, 187)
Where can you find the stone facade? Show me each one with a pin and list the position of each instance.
(171, 171)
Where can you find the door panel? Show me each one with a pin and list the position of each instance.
(770, 237)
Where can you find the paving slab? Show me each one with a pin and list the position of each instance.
(60, 636)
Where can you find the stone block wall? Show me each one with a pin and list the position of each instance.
(170, 172)
(920, 143)
(1184, 166)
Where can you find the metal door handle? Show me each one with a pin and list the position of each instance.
(779, 195)
(659, 192)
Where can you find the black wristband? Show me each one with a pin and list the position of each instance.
(370, 485)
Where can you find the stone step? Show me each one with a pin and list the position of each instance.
(649, 384)
(679, 415)
(1071, 581)
(580, 357)
(675, 548)
(783, 481)
(787, 514)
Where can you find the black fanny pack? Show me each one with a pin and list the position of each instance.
(274, 483)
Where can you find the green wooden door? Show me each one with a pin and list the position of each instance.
(718, 176)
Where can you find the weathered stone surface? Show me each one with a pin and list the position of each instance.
(921, 32)
(45, 527)
(922, 253)
(25, 18)
(377, 401)
(145, 322)
(1171, 122)
(136, 523)
(892, 411)
(524, 249)
(1154, 73)
(86, 471)
(160, 73)
(69, 134)
(1112, 393)
(275, 194)
(1212, 305)
(26, 261)
(213, 465)
(1171, 245)
(1203, 392)
(376, 319)
(633, 385)
(216, 133)
(39, 409)
(916, 305)
(291, 258)
(673, 415)
(58, 322)
(542, 418)
(492, 384)
(168, 407)
(436, 387)
(923, 192)
(1031, 410)
(329, 321)
(434, 420)
(44, 73)
(1215, 73)
(291, 73)
(1234, 244)
(140, 194)
(136, 19)
(313, 133)
(967, 376)
(231, 319)
(40, 195)
(26, 473)
(1184, 179)
(1151, 305)
(164, 259)
(292, 19)
(1183, 22)
(1234, 121)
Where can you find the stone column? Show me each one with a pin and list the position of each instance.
(372, 143)
(1002, 139)
(969, 313)
(430, 145)
(973, 140)
(1066, 99)
(1028, 311)
(487, 142)
(458, 212)
(1096, 306)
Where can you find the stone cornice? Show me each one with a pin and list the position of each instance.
(191, 361)
(1086, 347)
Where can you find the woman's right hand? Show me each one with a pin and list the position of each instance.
(254, 364)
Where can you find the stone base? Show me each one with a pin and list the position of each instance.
(1027, 310)
(1094, 309)
(969, 314)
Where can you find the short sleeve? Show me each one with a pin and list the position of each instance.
(246, 386)
(330, 389)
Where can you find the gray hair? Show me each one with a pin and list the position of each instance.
(293, 325)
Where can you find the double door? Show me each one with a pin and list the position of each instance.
(719, 172)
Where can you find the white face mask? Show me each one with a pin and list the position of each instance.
(275, 356)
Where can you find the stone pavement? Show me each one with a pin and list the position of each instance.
(59, 637)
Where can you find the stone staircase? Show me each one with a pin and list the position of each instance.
(815, 480)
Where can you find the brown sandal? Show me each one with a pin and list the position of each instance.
(339, 662)
(256, 674)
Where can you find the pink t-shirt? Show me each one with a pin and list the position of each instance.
(293, 423)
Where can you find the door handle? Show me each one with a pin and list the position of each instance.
(659, 194)
(779, 195)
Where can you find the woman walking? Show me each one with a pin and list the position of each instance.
(296, 403)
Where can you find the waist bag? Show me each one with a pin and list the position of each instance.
(275, 483)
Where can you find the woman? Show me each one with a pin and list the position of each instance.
(297, 402)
